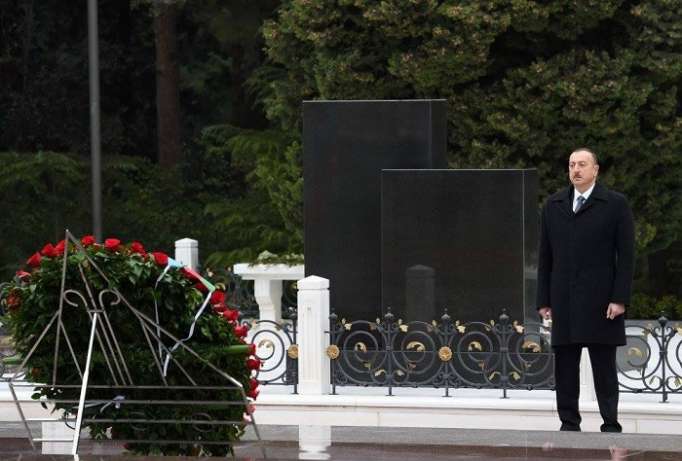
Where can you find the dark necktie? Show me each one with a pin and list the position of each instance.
(580, 201)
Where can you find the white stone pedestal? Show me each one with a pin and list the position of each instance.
(268, 285)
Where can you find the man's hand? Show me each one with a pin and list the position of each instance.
(614, 310)
(545, 313)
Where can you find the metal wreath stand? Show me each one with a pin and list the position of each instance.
(102, 333)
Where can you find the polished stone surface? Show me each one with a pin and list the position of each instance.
(410, 436)
(346, 144)
(342, 443)
(465, 240)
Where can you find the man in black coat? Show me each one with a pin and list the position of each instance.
(585, 273)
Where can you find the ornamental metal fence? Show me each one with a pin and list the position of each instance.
(444, 354)
(503, 354)
(275, 341)
(651, 361)
(277, 348)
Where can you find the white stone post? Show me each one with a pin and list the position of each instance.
(587, 391)
(187, 252)
(313, 324)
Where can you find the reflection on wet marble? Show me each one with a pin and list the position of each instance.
(381, 452)
(343, 443)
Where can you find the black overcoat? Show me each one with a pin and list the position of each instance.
(586, 261)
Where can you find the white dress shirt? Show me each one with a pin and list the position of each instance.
(585, 194)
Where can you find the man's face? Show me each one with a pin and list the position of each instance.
(582, 171)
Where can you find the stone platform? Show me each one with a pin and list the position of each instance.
(344, 443)
(464, 409)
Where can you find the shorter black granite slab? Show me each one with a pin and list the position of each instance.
(465, 240)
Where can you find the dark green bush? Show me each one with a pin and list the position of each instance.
(209, 198)
(648, 307)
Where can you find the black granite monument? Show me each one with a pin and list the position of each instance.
(346, 144)
(461, 239)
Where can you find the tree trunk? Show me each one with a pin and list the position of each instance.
(28, 39)
(167, 85)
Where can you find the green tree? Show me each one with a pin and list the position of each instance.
(526, 82)
(44, 77)
(206, 51)
(168, 114)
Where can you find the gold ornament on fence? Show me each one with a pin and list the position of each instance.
(531, 345)
(416, 346)
(333, 352)
(292, 351)
(445, 354)
(635, 351)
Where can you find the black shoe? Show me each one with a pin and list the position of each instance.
(611, 427)
(569, 427)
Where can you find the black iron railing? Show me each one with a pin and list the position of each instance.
(277, 348)
(651, 361)
(502, 354)
(444, 354)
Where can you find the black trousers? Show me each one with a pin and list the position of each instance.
(567, 377)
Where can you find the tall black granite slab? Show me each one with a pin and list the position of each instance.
(465, 240)
(346, 144)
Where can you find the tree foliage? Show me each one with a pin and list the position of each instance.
(526, 83)
(44, 72)
(44, 193)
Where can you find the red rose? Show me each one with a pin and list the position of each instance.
(136, 247)
(219, 308)
(253, 393)
(48, 251)
(112, 244)
(252, 349)
(60, 247)
(13, 302)
(201, 287)
(88, 240)
(160, 258)
(23, 275)
(253, 364)
(241, 330)
(34, 261)
(217, 297)
(253, 383)
(231, 315)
